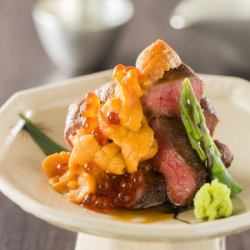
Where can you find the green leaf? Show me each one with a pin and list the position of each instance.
(45, 143)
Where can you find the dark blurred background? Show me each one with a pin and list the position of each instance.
(24, 64)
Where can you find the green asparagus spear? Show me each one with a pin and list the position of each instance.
(46, 144)
(200, 139)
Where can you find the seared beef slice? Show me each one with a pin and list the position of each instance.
(163, 98)
(183, 171)
(152, 192)
(210, 115)
(226, 154)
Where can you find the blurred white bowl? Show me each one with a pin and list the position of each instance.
(223, 24)
(77, 34)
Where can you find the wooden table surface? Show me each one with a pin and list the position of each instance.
(23, 64)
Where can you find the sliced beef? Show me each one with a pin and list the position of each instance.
(152, 192)
(74, 120)
(184, 174)
(226, 154)
(183, 171)
(210, 115)
(163, 98)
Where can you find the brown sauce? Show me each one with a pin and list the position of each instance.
(163, 213)
(143, 216)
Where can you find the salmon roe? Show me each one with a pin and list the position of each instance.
(90, 118)
(100, 137)
(113, 118)
(115, 191)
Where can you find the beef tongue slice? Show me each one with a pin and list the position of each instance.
(183, 171)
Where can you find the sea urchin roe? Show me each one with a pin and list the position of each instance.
(110, 159)
(90, 124)
(56, 164)
(135, 145)
(129, 92)
(86, 185)
(84, 149)
(121, 120)
(113, 139)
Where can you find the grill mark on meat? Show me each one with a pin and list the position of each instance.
(183, 171)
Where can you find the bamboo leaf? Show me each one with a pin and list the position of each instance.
(45, 143)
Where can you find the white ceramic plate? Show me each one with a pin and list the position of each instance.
(23, 181)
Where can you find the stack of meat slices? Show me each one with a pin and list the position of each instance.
(176, 173)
